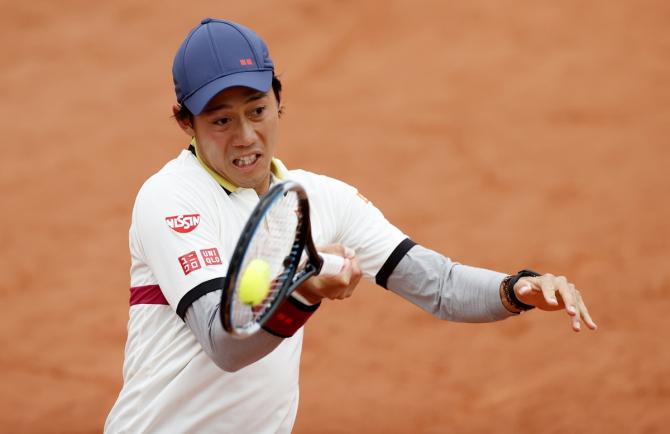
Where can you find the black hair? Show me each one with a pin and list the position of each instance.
(184, 113)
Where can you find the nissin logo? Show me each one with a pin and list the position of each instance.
(183, 223)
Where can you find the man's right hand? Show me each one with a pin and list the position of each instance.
(339, 286)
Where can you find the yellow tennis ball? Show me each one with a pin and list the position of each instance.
(255, 282)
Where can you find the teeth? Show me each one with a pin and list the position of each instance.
(246, 161)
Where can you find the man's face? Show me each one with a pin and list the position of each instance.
(237, 134)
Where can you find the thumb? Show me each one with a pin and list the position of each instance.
(525, 286)
(525, 289)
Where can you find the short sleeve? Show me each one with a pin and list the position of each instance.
(352, 220)
(176, 233)
(372, 236)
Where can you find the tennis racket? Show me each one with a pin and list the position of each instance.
(277, 232)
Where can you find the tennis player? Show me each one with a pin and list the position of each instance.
(182, 373)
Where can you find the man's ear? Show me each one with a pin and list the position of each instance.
(184, 123)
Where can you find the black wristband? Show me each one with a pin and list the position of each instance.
(508, 289)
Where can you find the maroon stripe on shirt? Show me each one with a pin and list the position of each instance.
(149, 294)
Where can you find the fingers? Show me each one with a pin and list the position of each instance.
(348, 279)
(584, 312)
(568, 296)
(574, 305)
(548, 288)
(341, 284)
(568, 293)
(356, 273)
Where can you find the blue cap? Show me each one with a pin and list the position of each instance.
(217, 55)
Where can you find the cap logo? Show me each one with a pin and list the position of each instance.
(246, 62)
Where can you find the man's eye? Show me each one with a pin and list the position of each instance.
(258, 110)
(221, 121)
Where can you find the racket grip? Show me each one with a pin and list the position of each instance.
(332, 264)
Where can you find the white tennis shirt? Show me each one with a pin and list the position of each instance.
(183, 231)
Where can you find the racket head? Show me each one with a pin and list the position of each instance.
(276, 232)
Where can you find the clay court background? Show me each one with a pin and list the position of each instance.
(505, 134)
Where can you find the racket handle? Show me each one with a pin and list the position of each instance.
(332, 264)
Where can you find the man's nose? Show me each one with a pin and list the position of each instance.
(245, 134)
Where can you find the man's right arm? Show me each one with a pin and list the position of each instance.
(229, 353)
(203, 316)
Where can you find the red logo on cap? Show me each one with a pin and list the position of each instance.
(246, 62)
(183, 223)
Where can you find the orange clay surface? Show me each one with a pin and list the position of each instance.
(502, 134)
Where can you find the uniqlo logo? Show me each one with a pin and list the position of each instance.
(211, 256)
(189, 262)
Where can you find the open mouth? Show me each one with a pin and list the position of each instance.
(246, 161)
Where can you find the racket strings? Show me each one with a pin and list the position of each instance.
(274, 241)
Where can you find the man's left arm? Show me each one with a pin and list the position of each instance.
(457, 292)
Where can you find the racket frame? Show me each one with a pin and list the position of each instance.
(303, 240)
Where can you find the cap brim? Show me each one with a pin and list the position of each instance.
(258, 80)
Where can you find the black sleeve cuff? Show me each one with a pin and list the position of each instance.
(396, 256)
(197, 292)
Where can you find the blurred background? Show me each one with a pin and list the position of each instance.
(504, 134)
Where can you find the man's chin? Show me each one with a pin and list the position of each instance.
(258, 183)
